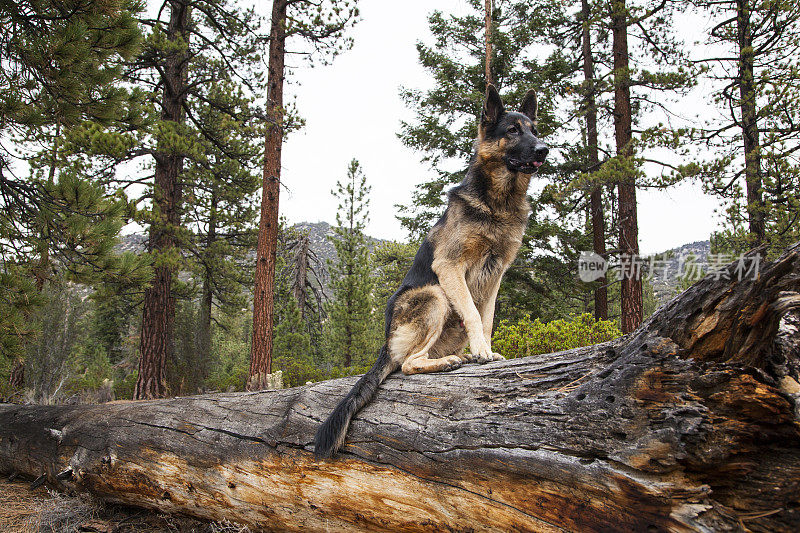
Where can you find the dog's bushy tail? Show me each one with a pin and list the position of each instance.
(331, 434)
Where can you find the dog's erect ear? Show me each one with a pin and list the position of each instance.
(492, 106)
(530, 106)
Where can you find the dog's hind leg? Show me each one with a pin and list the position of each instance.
(421, 362)
(418, 321)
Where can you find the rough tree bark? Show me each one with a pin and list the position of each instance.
(263, 293)
(593, 160)
(158, 314)
(749, 122)
(487, 24)
(688, 424)
(631, 287)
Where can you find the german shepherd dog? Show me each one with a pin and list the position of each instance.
(447, 299)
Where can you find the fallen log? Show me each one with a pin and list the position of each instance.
(688, 424)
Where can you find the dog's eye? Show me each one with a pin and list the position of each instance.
(513, 130)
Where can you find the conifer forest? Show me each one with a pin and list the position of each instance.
(140, 159)
(144, 250)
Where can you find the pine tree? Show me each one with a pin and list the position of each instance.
(62, 62)
(190, 45)
(159, 301)
(659, 71)
(446, 126)
(222, 204)
(317, 29)
(351, 324)
(754, 146)
(631, 290)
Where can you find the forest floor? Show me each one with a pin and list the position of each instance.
(41, 510)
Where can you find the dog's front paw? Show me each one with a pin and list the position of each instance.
(486, 357)
(497, 357)
(480, 352)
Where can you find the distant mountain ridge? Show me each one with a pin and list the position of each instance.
(319, 234)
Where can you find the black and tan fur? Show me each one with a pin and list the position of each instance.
(447, 299)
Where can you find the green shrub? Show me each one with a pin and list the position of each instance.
(531, 337)
(231, 364)
(90, 368)
(123, 388)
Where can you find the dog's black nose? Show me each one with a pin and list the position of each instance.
(541, 152)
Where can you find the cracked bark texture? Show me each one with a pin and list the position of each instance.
(689, 423)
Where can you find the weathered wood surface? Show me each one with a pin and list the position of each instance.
(690, 423)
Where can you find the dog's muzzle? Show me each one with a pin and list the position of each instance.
(532, 165)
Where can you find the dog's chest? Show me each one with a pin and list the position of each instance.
(487, 265)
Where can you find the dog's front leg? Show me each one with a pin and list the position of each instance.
(452, 280)
(487, 318)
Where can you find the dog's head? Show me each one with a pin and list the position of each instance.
(512, 136)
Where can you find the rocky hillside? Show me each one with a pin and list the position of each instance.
(318, 236)
(670, 265)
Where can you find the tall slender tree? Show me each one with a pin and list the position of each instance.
(172, 74)
(351, 324)
(593, 157)
(319, 28)
(631, 292)
(750, 133)
(263, 293)
(659, 72)
(159, 301)
(754, 68)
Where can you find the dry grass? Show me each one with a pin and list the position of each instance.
(42, 511)
(17, 508)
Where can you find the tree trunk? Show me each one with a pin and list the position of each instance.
(263, 293)
(689, 424)
(749, 125)
(487, 19)
(44, 269)
(301, 275)
(631, 297)
(159, 303)
(207, 298)
(16, 379)
(593, 160)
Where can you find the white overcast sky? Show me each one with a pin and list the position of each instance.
(353, 109)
